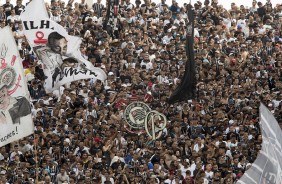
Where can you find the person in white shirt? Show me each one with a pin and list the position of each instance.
(170, 179)
(13, 18)
(146, 62)
(55, 16)
(166, 39)
(209, 172)
(184, 167)
(106, 177)
(254, 6)
(81, 148)
(241, 22)
(198, 145)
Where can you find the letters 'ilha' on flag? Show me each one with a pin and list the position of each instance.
(58, 51)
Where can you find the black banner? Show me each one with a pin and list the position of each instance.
(187, 88)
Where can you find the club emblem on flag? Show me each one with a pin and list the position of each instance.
(135, 114)
(8, 77)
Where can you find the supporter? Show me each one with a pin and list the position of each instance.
(80, 134)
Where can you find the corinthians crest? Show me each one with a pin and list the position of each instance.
(135, 114)
(138, 115)
(8, 75)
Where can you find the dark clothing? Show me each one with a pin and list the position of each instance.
(7, 9)
(19, 9)
(261, 11)
(20, 109)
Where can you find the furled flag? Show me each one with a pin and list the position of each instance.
(186, 89)
(58, 51)
(15, 108)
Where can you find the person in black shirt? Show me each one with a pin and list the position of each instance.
(8, 7)
(19, 7)
(261, 10)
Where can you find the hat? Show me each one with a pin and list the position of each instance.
(73, 92)
(239, 27)
(67, 140)
(150, 84)
(206, 61)
(110, 73)
(97, 139)
(276, 38)
(186, 160)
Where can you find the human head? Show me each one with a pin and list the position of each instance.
(4, 97)
(57, 43)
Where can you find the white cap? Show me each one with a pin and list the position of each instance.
(67, 140)
(231, 122)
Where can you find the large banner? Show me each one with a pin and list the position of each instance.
(267, 168)
(58, 51)
(15, 108)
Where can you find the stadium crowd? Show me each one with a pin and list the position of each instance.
(80, 132)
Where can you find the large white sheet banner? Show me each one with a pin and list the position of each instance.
(58, 51)
(267, 167)
(15, 108)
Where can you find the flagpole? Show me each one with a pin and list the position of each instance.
(36, 159)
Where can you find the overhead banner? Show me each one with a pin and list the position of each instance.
(267, 168)
(15, 108)
(58, 51)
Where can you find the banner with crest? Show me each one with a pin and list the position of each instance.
(58, 51)
(15, 108)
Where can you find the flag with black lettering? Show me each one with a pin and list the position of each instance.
(187, 87)
(59, 52)
(15, 108)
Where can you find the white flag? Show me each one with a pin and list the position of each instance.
(15, 108)
(40, 10)
(267, 167)
(58, 51)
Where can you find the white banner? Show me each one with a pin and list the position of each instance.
(40, 10)
(267, 167)
(57, 50)
(15, 108)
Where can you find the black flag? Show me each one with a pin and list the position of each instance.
(187, 88)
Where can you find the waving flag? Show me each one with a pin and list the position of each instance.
(15, 109)
(58, 51)
(267, 168)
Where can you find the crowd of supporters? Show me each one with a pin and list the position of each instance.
(80, 132)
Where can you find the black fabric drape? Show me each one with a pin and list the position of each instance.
(187, 88)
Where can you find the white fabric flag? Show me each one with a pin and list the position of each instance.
(58, 51)
(267, 167)
(40, 10)
(15, 108)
